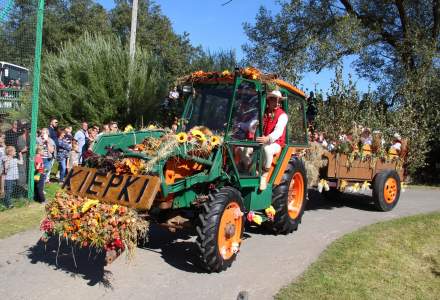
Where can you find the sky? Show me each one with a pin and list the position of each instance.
(220, 27)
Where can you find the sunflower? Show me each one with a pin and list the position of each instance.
(226, 73)
(128, 128)
(215, 140)
(198, 134)
(182, 137)
(88, 204)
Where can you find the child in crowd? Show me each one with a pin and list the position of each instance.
(10, 164)
(64, 147)
(74, 154)
(39, 176)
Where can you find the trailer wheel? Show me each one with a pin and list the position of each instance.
(386, 190)
(289, 198)
(220, 229)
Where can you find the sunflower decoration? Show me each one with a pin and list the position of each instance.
(199, 135)
(215, 140)
(182, 137)
(128, 128)
(252, 73)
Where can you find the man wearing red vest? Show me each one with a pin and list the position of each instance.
(274, 133)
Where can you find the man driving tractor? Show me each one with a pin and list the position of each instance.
(274, 132)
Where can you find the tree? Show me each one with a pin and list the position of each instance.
(395, 44)
(155, 33)
(69, 20)
(391, 38)
(214, 61)
(88, 79)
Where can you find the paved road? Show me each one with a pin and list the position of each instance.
(166, 269)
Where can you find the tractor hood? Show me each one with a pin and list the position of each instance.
(123, 140)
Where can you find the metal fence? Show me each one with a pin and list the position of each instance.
(20, 51)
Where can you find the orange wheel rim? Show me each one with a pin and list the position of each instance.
(229, 231)
(296, 195)
(390, 190)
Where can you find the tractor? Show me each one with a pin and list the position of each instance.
(216, 193)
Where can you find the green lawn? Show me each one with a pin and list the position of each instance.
(398, 259)
(24, 215)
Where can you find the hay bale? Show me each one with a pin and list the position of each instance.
(313, 160)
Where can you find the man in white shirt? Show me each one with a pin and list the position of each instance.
(274, 132)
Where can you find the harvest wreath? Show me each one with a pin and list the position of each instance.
(86, 222)
(90, 223)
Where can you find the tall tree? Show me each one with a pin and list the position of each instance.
(66, 20)
(154, 32)
(391, 38)
(395, 44)
(88, 80)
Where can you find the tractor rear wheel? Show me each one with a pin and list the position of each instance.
(289, 198)
(386, 190)
(220, 229)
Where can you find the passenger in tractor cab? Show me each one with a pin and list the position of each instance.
(274, 132)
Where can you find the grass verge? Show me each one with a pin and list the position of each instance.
(397, 259)
(24, 215)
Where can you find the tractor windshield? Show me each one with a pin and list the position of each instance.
(209, 107)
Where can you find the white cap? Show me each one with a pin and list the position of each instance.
(275, 94)
(397, 136)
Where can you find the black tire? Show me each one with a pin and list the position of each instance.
(283, 223)
(381, 183)
(209, 225)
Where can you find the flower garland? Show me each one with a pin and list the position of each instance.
(198, 142)
(90, 223)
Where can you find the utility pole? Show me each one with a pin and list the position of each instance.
(134, 13)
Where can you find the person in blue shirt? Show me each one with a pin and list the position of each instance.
(81, 136)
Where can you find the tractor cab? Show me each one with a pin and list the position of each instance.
(233, 106)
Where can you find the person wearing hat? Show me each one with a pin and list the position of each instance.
(274, 132)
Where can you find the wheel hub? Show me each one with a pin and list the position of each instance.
(229, 230)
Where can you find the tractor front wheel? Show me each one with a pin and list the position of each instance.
(289, 198)
(220, 229)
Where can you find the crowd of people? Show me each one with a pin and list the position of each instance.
(54, 145)
(365, 137)
(10, 88)
(12, 84)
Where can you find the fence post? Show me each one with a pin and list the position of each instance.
(35, 96)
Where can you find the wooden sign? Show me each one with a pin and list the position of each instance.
(136, 191)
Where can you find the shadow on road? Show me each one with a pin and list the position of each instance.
(176, 248)
(180, 250)
(90, 264)
(356, 201)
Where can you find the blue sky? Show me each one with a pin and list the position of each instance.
(217, 27)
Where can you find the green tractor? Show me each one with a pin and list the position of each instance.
(218, 190)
